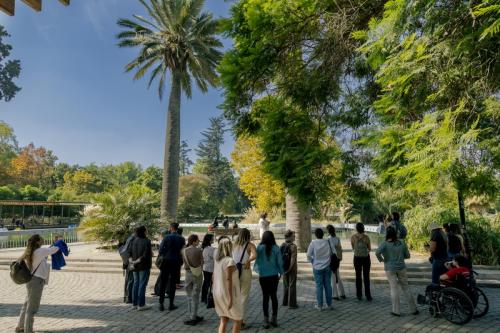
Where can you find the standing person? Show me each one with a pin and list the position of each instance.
(124, 251)
(393, 253)
(269, 266)
(58, 258)
(455, 242)
(244, 252)
(208, 265)
(318, 253)
(439, 252)
(156, 290)
(289, 254)
(361, 246)
(193, 264)
(335, 243)
(141, 256)
(36, 259)
(263, 224)
(170, 248)
(398, 226)
(226, 287)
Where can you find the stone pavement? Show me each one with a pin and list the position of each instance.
(92, 302)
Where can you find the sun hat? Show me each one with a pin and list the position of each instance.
(434, 226)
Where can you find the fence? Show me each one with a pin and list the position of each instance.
(19, 238)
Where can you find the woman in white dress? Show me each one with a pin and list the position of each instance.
(263, 224)
(226, 287)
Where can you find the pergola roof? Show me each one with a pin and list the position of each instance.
(8, 6)
(41, 203)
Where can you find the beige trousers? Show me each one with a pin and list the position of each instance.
(396, 279)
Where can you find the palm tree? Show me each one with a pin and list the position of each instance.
(181, 40)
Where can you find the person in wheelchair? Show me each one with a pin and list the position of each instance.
(458, 271)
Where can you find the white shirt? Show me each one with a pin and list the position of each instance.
(264, 226)
(318, 254)
(40, 260)
(208, 259)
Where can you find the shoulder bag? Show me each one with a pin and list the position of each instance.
(239, 265)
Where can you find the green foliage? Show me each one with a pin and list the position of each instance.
(151, 177)
(7, 193)
(185, 162)
(114, 215)
(194, 197)
(32, 193)
(9, 69)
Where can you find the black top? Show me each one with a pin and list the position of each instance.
(141, 248)
(441, 252)
(454, 243)
(171, 247)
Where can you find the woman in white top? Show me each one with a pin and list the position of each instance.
(208, 265)
(335, 243)
(36, 259)
(263, 224)
(244, 252)
(226, 287)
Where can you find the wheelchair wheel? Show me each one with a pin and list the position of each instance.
(482, 304)
(455, 306)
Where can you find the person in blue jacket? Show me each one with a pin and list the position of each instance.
(58, 258)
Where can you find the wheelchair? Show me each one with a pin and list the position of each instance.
(457, 301)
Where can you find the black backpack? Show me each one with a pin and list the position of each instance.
(20, 273)
(286, 254)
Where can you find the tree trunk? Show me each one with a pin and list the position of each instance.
(298, 219)
(170, 183)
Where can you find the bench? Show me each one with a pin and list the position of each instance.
(226, 232)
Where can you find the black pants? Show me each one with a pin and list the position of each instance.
(290, 288)
(207, 282)
(169, 276)
(269, 286)
(362, 266)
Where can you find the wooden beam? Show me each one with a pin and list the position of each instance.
(35, 4)
(64, 2)
(7, 6)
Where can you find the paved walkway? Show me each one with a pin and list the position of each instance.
(86, 302)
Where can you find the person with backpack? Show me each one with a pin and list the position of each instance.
(140, 262)
(319, 254)
(124, 251)
(289, 254)
(335, 243)
(35, 257)
(244, 252)
(393, 253)
(193, 264)
(398, 226)
(269, 266)
(361, 246)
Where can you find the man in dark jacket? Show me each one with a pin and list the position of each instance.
(170, 249)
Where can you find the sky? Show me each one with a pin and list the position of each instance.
(76, 98)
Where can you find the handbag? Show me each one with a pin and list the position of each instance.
(159, 261)
(239, 265)
(210, 298)
(196, 271)
(334, 260)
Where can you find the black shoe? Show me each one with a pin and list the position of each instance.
(395, 314)
(198, 319)
(343, 296)
(293, 307)
(154, 294)
(359, 298)
(172, 307)
(369, 298)
(161, 307)
(336, 298)
(191, 322)
(416, 312)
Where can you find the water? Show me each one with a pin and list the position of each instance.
(13, 239)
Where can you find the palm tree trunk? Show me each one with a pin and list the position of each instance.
(170, 184)
(298, 219)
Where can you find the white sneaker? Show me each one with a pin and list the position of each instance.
(319, 308)
(144, 308)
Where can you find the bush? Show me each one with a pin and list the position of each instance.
(252, 215)
(483, 231)
(113, 215)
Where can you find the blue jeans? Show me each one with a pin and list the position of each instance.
(437, 270)
(141, 279)
(322, 277)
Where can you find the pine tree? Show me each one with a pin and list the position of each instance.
(185, 162)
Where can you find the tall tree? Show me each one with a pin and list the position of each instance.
(8, 150)
(181, 39)
(9, 69)
(185, 162)
(33, 166)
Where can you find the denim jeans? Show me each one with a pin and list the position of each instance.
(322, 277)
(141, 279)
(129, 285)
(437, 270)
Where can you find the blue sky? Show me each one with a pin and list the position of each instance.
(76, 99)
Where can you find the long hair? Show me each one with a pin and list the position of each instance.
(192, 239)
(33, 244)
(331, 230)
(243, 237)
(207, 240)
(268, 241)
(225, 249)
(391, 234)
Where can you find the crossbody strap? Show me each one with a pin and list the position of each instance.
(36, 268)
(243, 254)
(330, 246)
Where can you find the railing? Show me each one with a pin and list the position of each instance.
(19, 238)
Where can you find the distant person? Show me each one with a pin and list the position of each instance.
(263, 224)
(398, 226)
(170, 248)
(225, 224)
(58, 258)
(235, 225)
(289, 254)
(269, 266)
(178, 284)
(208, 265)
(455, 242)
(335, 243)
(36, 259)
(216, 222)
(193, 264)
(124, 250)
(244, 252)
(439, 252)
(361, 246)
(141, 258)
(156, 291)
(393, 253)
(318, 253)
(226, 287)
